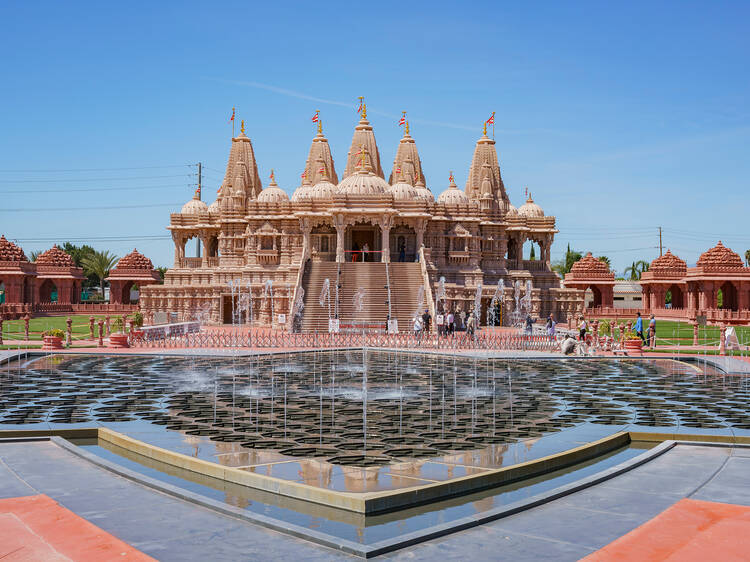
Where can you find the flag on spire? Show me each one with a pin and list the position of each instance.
(491, 120)
(402, 121)
(361, 104)
(526, 192)
(398, 170)
(232, 117)
(451, 178)
(416, 176)
(316, 117)
(321, 169)
(304, 174)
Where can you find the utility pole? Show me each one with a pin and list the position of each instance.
(660, 246)
(198, 240)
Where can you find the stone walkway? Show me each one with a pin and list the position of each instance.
(569, 528)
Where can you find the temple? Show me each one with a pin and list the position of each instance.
(407, 249)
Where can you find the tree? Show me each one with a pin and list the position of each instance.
(98, 264)
(78, 253)
(564, 265)
(606, 260)
(642, 266)
(162, 271)
(632, 271)
(747, 258)
(532, 255)
(34, 255)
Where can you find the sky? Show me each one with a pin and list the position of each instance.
(619, 118)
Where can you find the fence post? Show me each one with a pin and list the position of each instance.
(91, 326)
(101, 333)
(26, 326)
(1, 329)
(69, 331)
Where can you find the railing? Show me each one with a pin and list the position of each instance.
(426, 283)
(17, 310)
(534, 265)
(191, 263)
(211, 339)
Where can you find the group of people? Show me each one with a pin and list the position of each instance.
(446, 323)
(357, 253)
(649, 339)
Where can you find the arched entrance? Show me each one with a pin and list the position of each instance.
(674, 297)
(729, 299)
(362, 242)
(2, 292)
(48, 291)
(403, 244)
(593, 297)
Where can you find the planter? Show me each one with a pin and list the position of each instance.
(118, 340)
(634, 345)
(52, 342)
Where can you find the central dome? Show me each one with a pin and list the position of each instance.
(322, 190)
(364, 183)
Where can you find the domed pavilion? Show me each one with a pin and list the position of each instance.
(58, 279)
(589, 273)
(391, 237)
(134, 269)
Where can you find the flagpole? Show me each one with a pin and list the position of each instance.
(233, 122)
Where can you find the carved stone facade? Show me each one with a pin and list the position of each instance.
(252, 236)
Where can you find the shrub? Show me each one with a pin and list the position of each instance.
(54, 332)
(137, 319)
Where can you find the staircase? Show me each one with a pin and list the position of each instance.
(314, 316)
(406, 278)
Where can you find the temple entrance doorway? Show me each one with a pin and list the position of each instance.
(48, 291)
(363, 243)
(593, 297)
(2, 292)
(727, 297)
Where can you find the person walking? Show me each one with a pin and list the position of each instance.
(417, 325)
(652, 332)
(402, 251)
(470, 324)
(639, 328)
(529, 324)
(550, 326)
(365, 250)
(426, 321)
(583, 328)
(451, 323)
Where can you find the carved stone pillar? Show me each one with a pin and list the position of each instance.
(385, 235)
(340, 229)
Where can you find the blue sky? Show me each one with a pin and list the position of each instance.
(619, 118)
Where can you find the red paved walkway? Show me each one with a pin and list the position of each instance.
(689, 530)
(38, 528)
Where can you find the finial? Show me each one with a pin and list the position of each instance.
(406, 128)
(320, 127)
(271, 177)
(484, 129)
(451, 179)
(242, 126)
(361, 106)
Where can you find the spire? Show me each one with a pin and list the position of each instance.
(363, 136)
(485, 168)
(241, 177)
(407, 158)
(319, 149)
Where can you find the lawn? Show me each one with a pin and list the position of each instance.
(14, 329)
(669, 332)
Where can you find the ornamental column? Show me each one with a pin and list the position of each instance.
(306, 227)
(338, 223)
(419, 226)
(385, 233)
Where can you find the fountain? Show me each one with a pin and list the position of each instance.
(497, 298)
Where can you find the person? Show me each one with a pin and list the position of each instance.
(451, 323)
(529, 324)
(426, 320)
(355, 252)
(470, 325)
(417, 327)
(652, 331)
(550, 326)
(462, 316)
(639, 328)
(583, 329)
(402, 251)
(365, 249)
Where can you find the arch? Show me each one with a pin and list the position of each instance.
(403, 243)
(674, 296)
(729, 295)
(48, 291)
(360, 235)
(2, 292)
(592, 296)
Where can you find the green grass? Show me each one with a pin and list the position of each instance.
(670, 332)
(14, 329)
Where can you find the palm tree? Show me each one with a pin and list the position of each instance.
(642, 266)
(98, 264)
(34, 255)
(606, 260)
(747, 258)
(632, 271)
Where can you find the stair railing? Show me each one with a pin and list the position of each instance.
(297, 285)
(388, 286)
(426, 282)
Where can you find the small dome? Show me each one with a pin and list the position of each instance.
(720, 257)
(55, 257)
(273, 193)
(302, 193)
(424, 194)
(453, 195)
(322, 190)
(403, 191)
(530, 209)
(668, 263)
(590, 267)
(214, 207)
(194, 207)
(512, 211)
(10, 252)
(134, 260)
(363, 182)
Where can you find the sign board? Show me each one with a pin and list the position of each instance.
(282, 318)
(439, 320)
(393, 326)
(701, 320)
(333, 325)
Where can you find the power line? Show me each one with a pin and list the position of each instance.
(91, 239)
(98, 179)
(76, 190)
(97, 169)
(55, 209)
